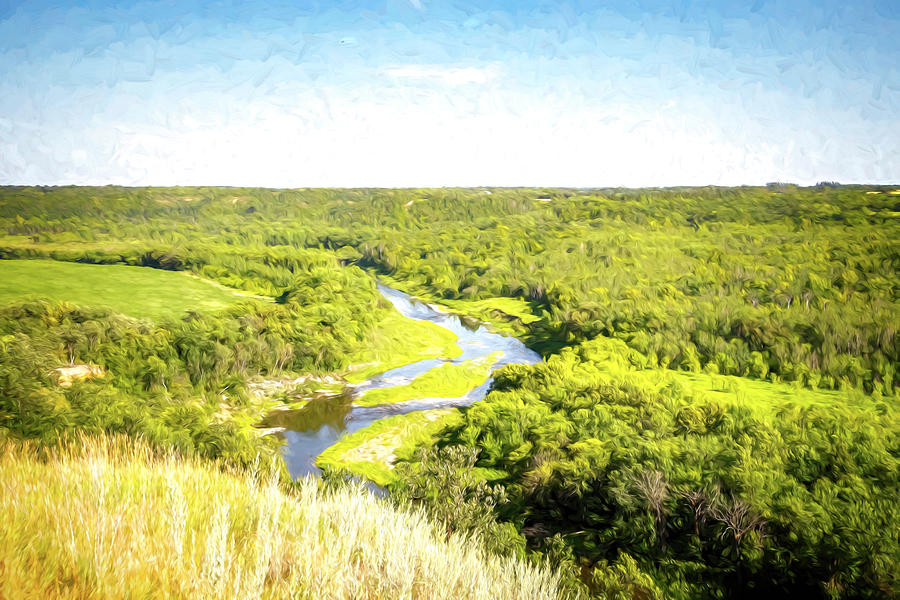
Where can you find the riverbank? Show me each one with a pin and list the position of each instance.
(446, 381)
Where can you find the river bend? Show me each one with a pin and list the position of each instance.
(319, 424)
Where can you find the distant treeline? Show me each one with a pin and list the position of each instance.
(798, 285)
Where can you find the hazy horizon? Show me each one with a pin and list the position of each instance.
(452, 187)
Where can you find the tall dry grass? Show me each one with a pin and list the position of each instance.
(111, 518)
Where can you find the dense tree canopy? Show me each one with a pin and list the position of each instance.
(706, 495)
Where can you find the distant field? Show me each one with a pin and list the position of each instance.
(765, 398)
(134, 291)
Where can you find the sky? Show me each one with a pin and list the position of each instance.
(425, 93)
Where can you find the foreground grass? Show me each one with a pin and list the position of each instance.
(446, 381)
(370, 452)
(399, 341)
(111, 519)
(133, 291)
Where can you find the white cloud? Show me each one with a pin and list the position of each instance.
(447, 75)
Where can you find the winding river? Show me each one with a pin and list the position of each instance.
(321, 422)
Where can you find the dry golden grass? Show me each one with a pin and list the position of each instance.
(110, 518)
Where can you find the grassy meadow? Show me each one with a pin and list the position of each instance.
(371, 451)
(765, 398)
(398, 341)
(447, 381)
(133, 291)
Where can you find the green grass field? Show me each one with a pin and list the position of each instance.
(764, 397)
(133, 291)
(399, 341)
(446, 381)
(371, 451)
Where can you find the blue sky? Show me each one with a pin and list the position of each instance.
(428, 93)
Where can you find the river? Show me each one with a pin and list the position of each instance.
(320, 423)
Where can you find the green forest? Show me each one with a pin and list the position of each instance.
(716, 414)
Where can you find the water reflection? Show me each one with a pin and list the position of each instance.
(326, 411)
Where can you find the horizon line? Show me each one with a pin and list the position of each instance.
(822, 183)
